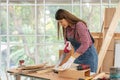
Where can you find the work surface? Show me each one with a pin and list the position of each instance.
(48, 75)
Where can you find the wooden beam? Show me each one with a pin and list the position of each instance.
(108, 37)
(109, 13)
(96, 35)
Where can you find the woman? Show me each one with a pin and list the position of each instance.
(75, 30)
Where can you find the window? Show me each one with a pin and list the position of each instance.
(28, 29)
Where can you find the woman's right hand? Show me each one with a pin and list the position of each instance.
(67, 47)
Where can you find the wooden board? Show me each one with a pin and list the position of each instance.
(74, 74)
(44, 76)
(108, 61)
(108, 37)
(101, 75)
(109, 12)
(45, 71)
(96, 35)
(28, 67)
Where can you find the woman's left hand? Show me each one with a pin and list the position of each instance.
(68, 63)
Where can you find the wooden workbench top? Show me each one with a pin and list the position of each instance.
(49, 75)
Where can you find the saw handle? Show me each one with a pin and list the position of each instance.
(67, 47)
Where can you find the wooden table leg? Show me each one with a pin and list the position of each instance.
(17, 77)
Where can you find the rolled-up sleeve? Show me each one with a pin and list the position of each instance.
(84, 37)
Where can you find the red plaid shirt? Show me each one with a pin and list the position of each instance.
(81, 35)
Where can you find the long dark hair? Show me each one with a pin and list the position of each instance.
(64, 14)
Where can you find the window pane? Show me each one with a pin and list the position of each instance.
(115, 1)
(3, 39)
(3, 20)
(51, 24)
(21, 20)
(58, 1)
(25, 53)
(49, 53)
(118, 27)
(3, 55)
(91, 14)
(40, 1)
(40, 20)
(23, 39)
(3, 61)
(40, 39)
(76, 11)
(51, 38)
(28, 29)
(22, 1)
(76, 1)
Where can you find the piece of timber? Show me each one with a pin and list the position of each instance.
(74, 74)
(45, 70)
(29, 67)
(108, 37)
(26, 71)
(101, 75)
(44, 76)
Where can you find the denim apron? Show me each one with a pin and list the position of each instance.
(90, 56)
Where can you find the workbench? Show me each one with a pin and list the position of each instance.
(43, 76)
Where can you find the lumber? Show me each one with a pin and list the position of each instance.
(45, 71)
(101, 75)
(28, 67)
(108, 37)
(74, 74)
(109, 12)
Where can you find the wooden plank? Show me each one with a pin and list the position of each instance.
(108, 37)
(96, 35)
(117, 36)
(48, 76)
(108, 61)
(112, 46)
(101, 75)
(45, 76)
(96, 43)
(45, 71)
(28, 67)
(109, 12)
(74, 74)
